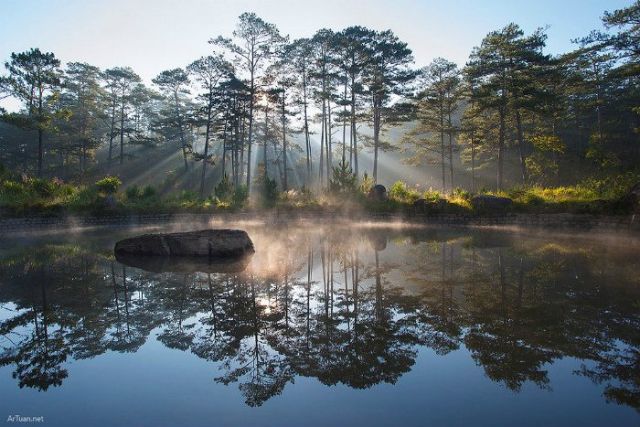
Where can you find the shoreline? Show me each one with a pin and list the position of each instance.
(548, 221)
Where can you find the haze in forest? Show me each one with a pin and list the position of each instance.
(221, 97)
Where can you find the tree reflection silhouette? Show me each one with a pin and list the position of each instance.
(343, 306)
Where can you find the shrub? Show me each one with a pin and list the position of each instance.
(84, 199)
(224, 189)
(43, 188)
(109, 184)
(132, 192)
(400, 192)
(240, 196)
(461, 193)
(268, 192)
(148, 192)
(431, 195)
(188, 195)
(297, 198)
(12, 188)
(366, 184)
(343, 180)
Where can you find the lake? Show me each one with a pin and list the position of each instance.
(377, 324)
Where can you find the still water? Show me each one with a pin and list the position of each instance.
(357, 324)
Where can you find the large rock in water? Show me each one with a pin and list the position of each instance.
(487, 203)
(221, 243)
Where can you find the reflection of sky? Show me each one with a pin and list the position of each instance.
(160, 386)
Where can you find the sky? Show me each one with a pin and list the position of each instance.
(154, 35)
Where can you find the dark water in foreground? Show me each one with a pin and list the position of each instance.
(342, 325)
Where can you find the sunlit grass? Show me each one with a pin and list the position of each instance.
(29, 196)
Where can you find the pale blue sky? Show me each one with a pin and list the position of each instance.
(153, 35)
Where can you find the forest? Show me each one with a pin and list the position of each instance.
(267, 121)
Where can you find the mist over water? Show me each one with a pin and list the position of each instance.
(403, 322)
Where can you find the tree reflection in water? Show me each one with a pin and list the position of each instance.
(342, 305)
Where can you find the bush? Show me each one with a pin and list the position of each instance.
(148, 192)
(84, 199)
(400, 192)
(43, 188)
(461, 193)
(132, 192)
(268, 192)
(431, 195)
(224, 189)
(12, 188)
(343, 180)
(240, 196)
(612, 187)
(366, 184)
(109, 184)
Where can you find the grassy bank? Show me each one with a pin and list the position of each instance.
(25, 196)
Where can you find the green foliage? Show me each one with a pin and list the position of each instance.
(459, 200)
(132, 192)
(298, 199)
(148, 191)
(461, 193)
(613, 186)
(598, 153)
(400, 192)
(109, 184)
(224, 190)
(43, 187)
(343, 180)
(268, 191)
(228, 196)
(85, 199)
(431, 195)
(240, 196)
(366, 184)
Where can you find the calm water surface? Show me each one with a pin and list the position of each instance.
(327, 325)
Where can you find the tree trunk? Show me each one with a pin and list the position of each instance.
(523, 165)
(500, 175)
(376, 138)
(306, 125)
(266, 131)
(251, 101)
(322, 137)
(285, 185)
(181, 130)
(450, 134)
(344, 123)
(122, 130)
(40, 153)
(112, 128)
(40, 135)
(206, 145)
(329, 142)
(442, 148)
(473, 164)
(354, 134)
